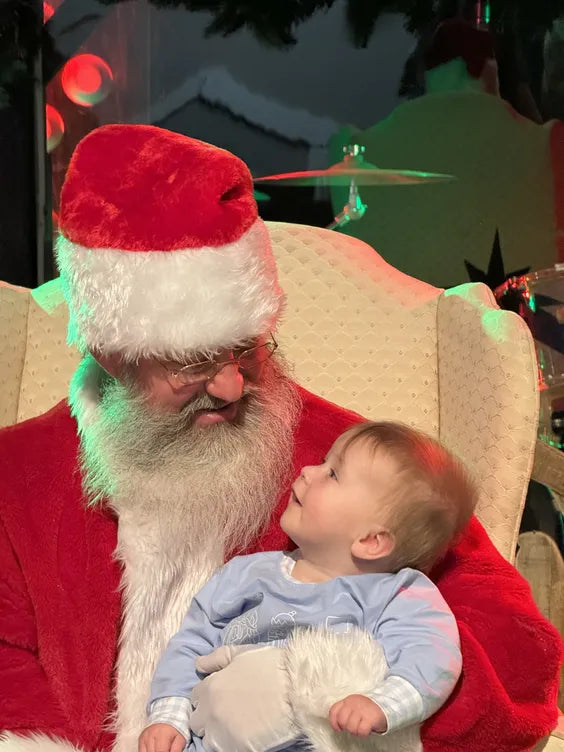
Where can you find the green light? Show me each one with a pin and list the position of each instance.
(487, 13)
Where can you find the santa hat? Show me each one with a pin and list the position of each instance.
(161, 251)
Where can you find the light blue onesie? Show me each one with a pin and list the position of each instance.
(255, 600)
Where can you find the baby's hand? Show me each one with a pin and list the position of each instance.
(358, 715)
(160, 737)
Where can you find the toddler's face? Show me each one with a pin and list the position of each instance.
(337, 502)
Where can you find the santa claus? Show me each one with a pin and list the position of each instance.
(174, 450)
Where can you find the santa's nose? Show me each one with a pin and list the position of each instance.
(227, 384)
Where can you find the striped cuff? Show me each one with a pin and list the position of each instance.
(401, 703)
(172, 710)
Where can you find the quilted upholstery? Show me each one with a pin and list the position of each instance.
(365, 336)
(488, 402)
(14, 304)
(35, 363)
(42, 373)
(354, 323)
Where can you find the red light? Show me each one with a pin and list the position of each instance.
(86, 79)
(54, 127)
(48, 11)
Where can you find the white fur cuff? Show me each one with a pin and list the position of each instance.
(325, 667)
(34, 743)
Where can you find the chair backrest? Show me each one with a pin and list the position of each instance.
(362, 335)
(35, 362)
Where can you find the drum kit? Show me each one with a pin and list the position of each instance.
(539, 299)
(352, 172)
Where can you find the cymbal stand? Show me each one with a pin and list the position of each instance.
(354, 208)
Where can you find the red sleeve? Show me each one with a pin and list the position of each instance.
(26, 700)
(506, 698)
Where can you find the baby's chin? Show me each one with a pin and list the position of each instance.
(286, 527)
(283, 523)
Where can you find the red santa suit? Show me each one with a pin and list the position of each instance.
(78, 625)
(60, 605)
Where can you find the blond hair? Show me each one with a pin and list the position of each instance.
(434, 497)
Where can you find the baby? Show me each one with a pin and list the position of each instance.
(377, 513)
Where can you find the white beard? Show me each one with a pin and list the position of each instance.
(184, 496)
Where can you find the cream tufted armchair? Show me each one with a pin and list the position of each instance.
(365, 336)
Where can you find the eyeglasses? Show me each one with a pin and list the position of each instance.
(248, 359)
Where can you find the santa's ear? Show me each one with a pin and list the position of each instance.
(110, 362)
(374, 545)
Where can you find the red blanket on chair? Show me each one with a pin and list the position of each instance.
(511, 655)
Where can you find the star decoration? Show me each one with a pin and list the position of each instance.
(495, 275)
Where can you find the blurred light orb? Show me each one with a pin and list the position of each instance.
(86, 79)
(48, 11)
(54, 127)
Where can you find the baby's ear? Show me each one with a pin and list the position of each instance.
(375, 545)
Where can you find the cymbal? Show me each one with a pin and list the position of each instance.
(355, 168)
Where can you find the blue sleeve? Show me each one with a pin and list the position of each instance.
(419, 636)
(199, 634)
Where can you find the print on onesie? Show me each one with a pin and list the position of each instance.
(281, 626)
(243, 629)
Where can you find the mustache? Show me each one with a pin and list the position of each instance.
(173, 425)
(202, 402)
(207, 401)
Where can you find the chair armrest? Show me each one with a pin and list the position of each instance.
(552, 743)
(14, 307)
(488, 397)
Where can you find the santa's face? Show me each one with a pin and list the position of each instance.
(164, 393)
(208, 386)
(175, 464)
(218, 398)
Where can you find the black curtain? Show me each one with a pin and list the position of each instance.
(20, 28)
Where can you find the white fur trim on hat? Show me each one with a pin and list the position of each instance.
(170, 303)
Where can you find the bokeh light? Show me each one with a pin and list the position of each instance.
(48, 11)
(86, 79)
(54, 127)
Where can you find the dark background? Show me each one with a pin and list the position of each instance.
(304, 64)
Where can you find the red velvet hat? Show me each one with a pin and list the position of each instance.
(162, 251)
